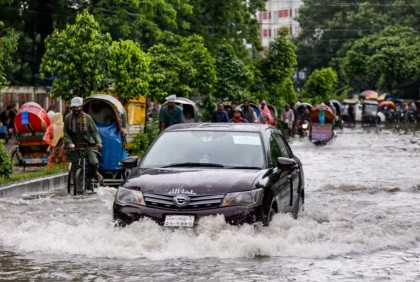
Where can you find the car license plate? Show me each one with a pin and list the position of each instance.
(179, 221)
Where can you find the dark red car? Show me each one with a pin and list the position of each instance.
(246, 172)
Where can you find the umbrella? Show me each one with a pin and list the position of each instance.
(382, 97)
(388, 104)
(369, 95)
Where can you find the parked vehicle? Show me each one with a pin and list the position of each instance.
(245, 172)
(31, 123)
(322, 119)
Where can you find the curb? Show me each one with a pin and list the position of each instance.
(35, 186)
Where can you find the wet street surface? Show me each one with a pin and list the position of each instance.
(361, 223)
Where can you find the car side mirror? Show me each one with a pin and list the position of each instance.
(286, 163)
(130, 162)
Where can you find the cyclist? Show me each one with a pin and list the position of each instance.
(80, 131)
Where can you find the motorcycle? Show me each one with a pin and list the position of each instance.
(303, 127)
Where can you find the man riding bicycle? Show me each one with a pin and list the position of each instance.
(80, 131)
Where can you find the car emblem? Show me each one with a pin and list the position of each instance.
(181, 200)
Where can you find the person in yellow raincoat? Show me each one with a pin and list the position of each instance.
(54, 138)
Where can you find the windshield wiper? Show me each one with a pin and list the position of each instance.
(194, 164)
(244, 167)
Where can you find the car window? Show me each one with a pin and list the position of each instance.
(227, 148)
(275, 151)
(284, 151)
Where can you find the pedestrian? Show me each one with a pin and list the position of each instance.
(248, 113)
(80, 131)
(288, 118)
(265, 114)
(233, 106)
(170, 114)
(237, 116)
(220, 115)
(54, 137)
(51, 112)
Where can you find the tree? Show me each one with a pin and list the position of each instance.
(129, 69)
(143, 21)
(33, 20)
(320, 86)
(389, 60)
(8, 45)
(181, 66)
(232, 20)
(78, 56)
(233, 76)
(277, 69)
(85, 61)
(330, 27)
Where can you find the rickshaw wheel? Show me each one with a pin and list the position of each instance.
(16, 156)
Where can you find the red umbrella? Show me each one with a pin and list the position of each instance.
(388, 104)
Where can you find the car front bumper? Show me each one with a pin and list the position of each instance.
(235, 215)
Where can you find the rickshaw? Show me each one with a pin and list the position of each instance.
(322, 119)
(303, 124)
(31, 123)
(388, 108)
(188, 107)
(338, 120)
(370, 113)
(111, 120)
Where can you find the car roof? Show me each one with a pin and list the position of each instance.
(244, 127)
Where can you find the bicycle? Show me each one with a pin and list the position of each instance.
(80, 178)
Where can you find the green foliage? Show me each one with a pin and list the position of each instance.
(8, 45)
(330, 27)
(181, 66)
(143, 140)
(6, 167)
(86, 61)
(39, 172)
(320, 86)
(233, 20)
(388, 60)
(276, 70)
(130, 69)
(78, 56)
(233, 76)
(144, 20)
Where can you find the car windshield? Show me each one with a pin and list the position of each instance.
(221, 149)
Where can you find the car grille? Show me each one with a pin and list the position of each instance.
(196, 202)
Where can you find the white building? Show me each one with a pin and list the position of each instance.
(279, 14)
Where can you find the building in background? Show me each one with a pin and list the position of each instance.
(279, 14)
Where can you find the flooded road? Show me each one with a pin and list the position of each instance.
(361, 223)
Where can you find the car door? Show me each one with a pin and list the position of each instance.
(292, 176)
(279, 181)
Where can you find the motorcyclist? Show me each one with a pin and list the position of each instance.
(80, 131)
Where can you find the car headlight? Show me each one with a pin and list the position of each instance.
(247, 198)
(128, 196)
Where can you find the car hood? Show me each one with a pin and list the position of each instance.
(173, 181)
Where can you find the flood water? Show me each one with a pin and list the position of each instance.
(361, 223)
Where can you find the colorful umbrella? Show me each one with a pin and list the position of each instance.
(388, 104)
(369, 95)
(382, 97)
